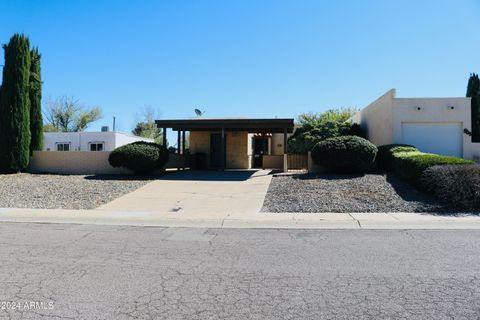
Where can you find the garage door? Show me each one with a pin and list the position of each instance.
(434, 137)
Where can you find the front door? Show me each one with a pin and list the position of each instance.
(260, 149)
(216, 150)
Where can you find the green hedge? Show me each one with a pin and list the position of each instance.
(141, 157)
(345, 154)
(411, 164)
(384, 159)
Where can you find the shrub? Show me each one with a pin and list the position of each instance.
(345, 154)
(411, 164)
(141, 157)
(459, 185)
(357, 130)
(384, 159)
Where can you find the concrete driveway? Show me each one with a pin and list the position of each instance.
(198, 192)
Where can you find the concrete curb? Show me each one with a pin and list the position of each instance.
(244, 220)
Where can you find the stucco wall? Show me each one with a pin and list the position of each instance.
(236, 157)
(475, 149)
(277, 144)
(376, 119)
(433, 110)
(74, 162)
(84, 162)
(237, 150)
(122, 138)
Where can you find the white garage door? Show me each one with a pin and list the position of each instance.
(434, 137)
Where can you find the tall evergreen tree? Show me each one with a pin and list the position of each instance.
(35, 94)
(473, 91)
(15, 106)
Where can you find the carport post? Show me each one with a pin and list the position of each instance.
(178, 147)
(285, 151)
(222, 149)
(183, 150)
(164, 136)
(178, 142)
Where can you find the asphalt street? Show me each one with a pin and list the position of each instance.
(62, 271)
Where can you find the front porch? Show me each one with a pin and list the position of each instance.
(232, 143)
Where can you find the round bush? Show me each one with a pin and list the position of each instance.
(141, 157)
(345, 154)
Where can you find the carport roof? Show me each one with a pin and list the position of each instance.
(251, 125)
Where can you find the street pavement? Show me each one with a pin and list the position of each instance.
(73, 271)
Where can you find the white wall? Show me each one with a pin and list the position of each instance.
(383, 118)
(433, 111)
(125, 138)
(80, 141)
(376, 119)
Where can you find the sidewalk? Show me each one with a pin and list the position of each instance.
(243, 220)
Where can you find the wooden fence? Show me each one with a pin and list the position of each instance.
(297, 161)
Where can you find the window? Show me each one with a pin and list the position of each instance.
(96, 146)
(63, 146)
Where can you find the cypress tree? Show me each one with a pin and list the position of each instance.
(473, 91)
(15, 106)
(35, 94)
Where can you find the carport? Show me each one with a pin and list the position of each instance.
(211, 134)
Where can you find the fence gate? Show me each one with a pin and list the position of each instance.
(297, 161)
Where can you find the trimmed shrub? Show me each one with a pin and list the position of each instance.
(384, 159)
(345, 154)
(411, 164)
(141, 157)
(458, 185)
(357, 130)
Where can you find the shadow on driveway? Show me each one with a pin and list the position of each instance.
(210, 175)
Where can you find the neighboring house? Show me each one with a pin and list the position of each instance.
(234, 143)
(88, 141)
(435, 125)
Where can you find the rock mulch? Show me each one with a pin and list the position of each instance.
(346, 193)
(48, 191)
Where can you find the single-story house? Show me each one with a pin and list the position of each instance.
(435, 125)
(234, 143)
(88, 141)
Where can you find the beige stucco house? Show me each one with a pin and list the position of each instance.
(233, 143)
(436, 125)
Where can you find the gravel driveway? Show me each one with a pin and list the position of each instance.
(47, 191)
(346, 193)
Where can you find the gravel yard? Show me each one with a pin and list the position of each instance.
(47, 191)
(346, 193)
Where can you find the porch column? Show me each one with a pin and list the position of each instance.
(178, 148)
(285, 151)
(178, 142)
(183, 150)
(222, 149)
(164, 136)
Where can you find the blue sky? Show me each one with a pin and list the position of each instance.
(260, 58)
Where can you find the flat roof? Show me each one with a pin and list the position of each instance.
(274, 125)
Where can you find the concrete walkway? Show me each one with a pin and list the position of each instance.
(199, 192)
(244, 219)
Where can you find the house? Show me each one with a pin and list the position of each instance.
(434, 125)
(88, 141)
(234, 143)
